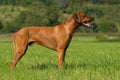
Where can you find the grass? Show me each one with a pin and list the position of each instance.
(86, 59)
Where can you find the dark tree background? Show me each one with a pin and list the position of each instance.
(16, 14)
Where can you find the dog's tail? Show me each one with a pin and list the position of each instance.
(13, 40)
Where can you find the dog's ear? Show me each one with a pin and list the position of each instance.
(76, 17)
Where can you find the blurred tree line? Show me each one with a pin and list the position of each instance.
(16, 14)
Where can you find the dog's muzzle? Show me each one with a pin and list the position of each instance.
(86, 24)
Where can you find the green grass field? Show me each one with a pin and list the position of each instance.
(86, 59)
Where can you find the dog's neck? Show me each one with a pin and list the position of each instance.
(71, 25)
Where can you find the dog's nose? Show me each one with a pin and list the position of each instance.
(91, 18)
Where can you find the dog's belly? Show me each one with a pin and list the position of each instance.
(46, 41)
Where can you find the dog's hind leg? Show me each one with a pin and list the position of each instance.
(20, 50)
(17, 56)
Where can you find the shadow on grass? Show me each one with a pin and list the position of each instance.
(43, 66)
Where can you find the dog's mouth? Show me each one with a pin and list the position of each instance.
(86, 24)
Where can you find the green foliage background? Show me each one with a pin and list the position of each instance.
(16, 14)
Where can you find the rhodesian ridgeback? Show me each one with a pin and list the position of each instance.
(55, 37)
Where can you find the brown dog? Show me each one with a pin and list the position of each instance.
(55, 37)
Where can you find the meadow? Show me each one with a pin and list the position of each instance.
(86, 59)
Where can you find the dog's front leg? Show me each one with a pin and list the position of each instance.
(61, 57)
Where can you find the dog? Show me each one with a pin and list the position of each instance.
(56, 37)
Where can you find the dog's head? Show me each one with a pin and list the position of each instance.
(83, 19)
